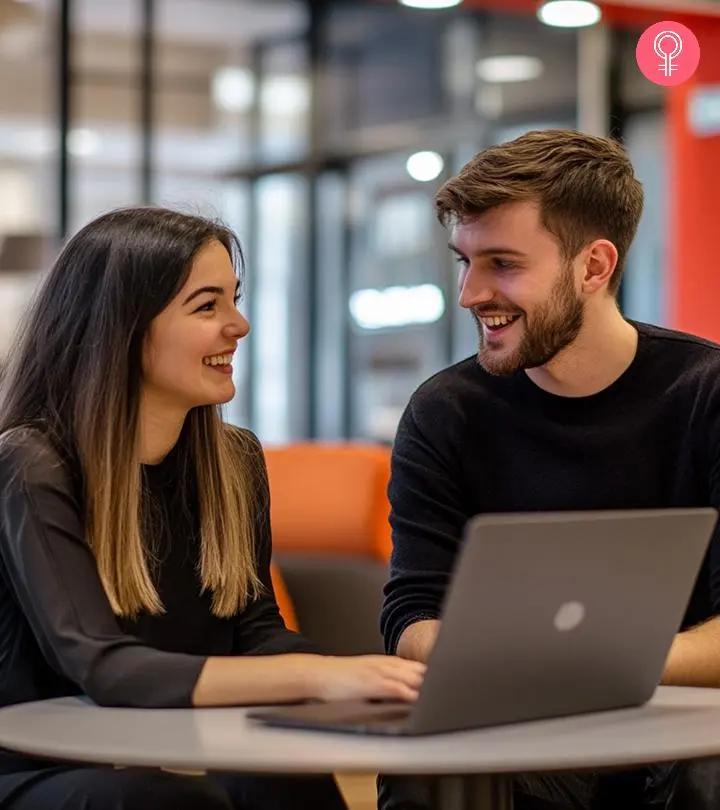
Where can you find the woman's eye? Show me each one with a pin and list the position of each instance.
(209, 307)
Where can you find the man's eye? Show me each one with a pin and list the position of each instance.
(500, 264)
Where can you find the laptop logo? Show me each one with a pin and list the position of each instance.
(569, 617)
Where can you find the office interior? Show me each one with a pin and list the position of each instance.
(319, 131)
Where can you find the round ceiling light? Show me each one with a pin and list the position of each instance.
(569, 13)
(430, 3)
(425, 166)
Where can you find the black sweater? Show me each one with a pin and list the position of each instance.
(58, 635)
(470, 443)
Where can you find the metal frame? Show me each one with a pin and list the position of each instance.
(147, 93)
(64, 115)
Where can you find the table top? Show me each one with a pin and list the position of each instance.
(678, 723)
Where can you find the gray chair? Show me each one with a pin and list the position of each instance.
(331, 539)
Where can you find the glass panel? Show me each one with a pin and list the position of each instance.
(278, 288)
(28, 155)
(205, 101)
(204, 97)
(105, 139)
(397, 79)
(527, 72)
(394, 76)
(205, 91)
(284, 103)
(330, 352)
(382, 68)
(397, 296)
(645, 286)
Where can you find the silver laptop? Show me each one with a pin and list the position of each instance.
(548, 615)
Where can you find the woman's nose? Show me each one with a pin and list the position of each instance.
(239, 327)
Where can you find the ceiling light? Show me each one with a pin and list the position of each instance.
(499, 69)
(569, 13)
(84, 142)
(425, 166)
(397, 306)
(430, 3)
(233, 89)
(285, 96)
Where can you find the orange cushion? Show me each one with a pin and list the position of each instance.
(287, 611)
(330, 497)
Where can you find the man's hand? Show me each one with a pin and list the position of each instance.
(417, 640)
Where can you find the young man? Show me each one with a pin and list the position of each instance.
(567, 405)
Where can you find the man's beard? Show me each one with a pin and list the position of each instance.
(553, 327)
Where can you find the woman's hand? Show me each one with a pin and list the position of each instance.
(366, 677)
(269, 679)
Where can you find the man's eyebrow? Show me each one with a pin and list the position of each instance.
(212, 290)
(490, 251)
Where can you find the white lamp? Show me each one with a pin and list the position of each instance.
(430, 3)
(569, 13)
(503, 69)
(425, 166)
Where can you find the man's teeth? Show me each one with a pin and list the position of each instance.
(218, 360)
(501, 320)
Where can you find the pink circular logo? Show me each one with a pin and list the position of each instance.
(668, 53)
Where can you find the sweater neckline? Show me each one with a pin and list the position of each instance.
(616, 389)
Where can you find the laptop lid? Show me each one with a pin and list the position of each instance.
(553, 614)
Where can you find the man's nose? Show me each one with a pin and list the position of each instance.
(475, 289)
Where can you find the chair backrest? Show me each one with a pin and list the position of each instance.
(331, 538)
(282, 597)
(330, 498)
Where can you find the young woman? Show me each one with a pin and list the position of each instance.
(134, 534)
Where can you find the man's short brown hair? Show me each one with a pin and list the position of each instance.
(585, 186)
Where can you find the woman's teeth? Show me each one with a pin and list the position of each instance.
(218, 360)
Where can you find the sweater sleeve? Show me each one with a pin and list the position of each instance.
(712, 449)
(427, 517)
(51, 572)
(260, 629)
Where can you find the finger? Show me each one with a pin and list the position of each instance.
(407, 664)
(405, 670)
(392, 689)
(404, 692)
(412, 679)
(416, 666)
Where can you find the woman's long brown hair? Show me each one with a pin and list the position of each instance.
(75, 372)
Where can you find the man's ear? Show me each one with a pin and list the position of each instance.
(600, 261)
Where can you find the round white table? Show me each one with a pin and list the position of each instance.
(472, 768)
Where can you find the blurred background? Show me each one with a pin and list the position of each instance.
(320, 131)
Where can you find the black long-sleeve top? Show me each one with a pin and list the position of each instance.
(471, 443)
(58, 634)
